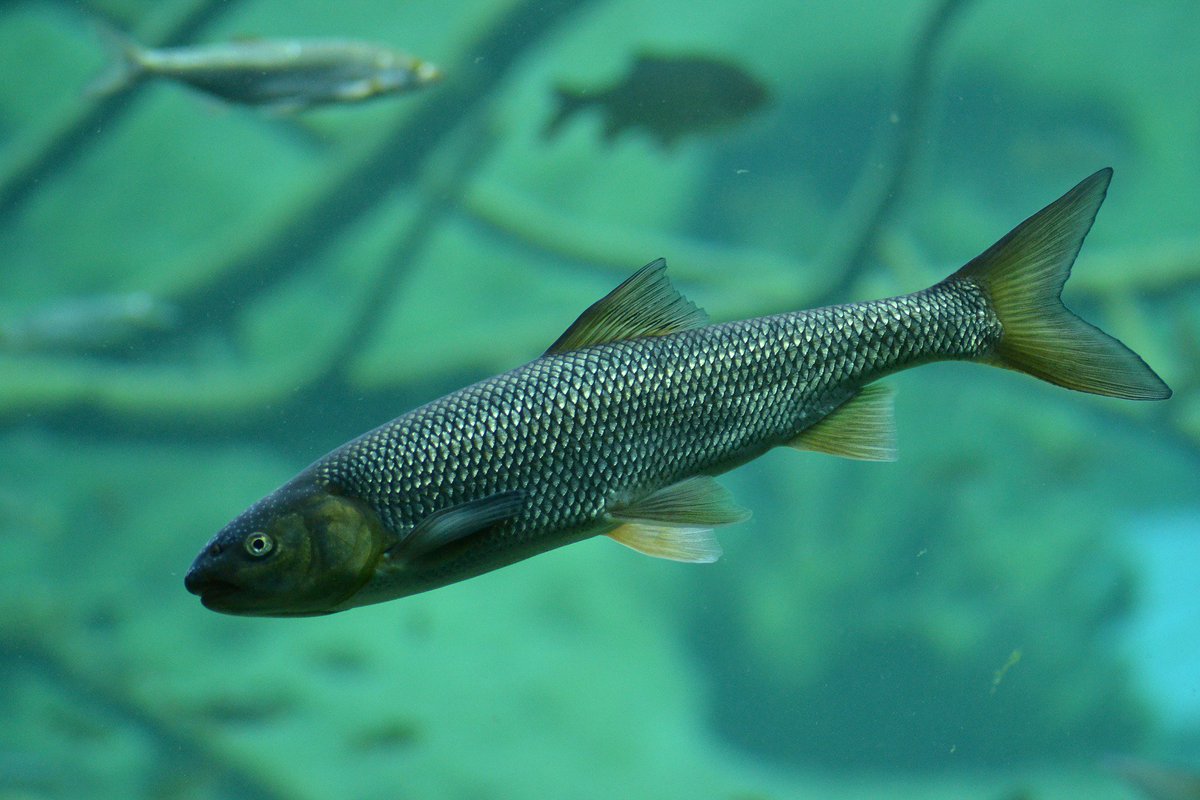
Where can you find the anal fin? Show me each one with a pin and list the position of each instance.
(864, 427)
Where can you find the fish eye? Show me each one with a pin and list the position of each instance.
(258, 544)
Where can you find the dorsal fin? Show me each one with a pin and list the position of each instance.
(644, 305)
(864, 427)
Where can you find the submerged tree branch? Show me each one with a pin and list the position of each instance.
(392, 159)
(176, 739)
(886, 172)
(58, 149)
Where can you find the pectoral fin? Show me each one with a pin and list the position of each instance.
(455, 523)
(676, 521)
(864, 427)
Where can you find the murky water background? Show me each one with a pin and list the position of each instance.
(993, 616)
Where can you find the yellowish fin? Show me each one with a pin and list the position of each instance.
(1023, 276)
(673, 542)
(676, 522)
(646, 304)
(864, 427)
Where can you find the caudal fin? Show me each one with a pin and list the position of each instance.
(569, 101)
(1023, 275)
(127, 67)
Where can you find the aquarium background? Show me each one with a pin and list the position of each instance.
(1000, 614)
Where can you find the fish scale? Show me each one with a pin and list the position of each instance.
(620, 427)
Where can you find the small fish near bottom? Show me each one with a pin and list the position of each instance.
(619, 428)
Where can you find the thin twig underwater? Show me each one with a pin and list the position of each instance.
(310, 222)
(186, 747)
(74, 134)
(878, 188)
(619, 428)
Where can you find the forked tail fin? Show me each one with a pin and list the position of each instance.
(1023, 275)
(569, 101)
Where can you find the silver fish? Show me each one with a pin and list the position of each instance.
(88, 322)
(284, 74)
(620, 426)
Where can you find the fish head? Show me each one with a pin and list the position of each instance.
(397, 72)
(301, 551)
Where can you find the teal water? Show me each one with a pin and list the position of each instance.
(211, 296)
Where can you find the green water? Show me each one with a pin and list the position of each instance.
(990, 617)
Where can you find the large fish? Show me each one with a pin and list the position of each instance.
(283, 74)
(620, 426)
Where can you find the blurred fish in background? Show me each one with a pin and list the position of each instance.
(282, 74)
(1155, 780)
(669, 97)
(87, 323)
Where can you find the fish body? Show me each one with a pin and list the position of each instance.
(87, 323)
(668, 97)
(620, 427)
(1156, 780)
(278, 73)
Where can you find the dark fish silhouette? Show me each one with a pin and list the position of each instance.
(669, 97)
(620, 427)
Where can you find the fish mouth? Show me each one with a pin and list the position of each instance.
(211, 591)
(225, 596)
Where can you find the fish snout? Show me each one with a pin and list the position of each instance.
(195, 580)
(428, 73)
(204, 578)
